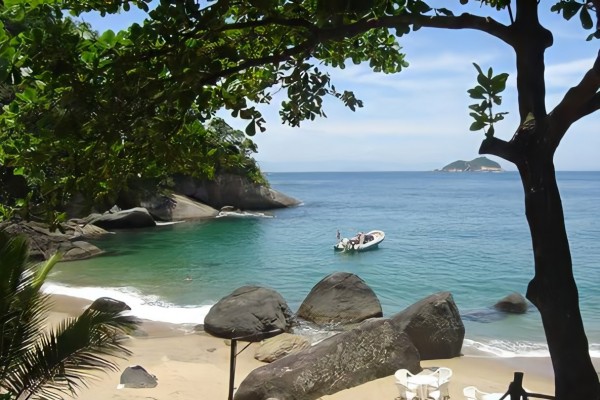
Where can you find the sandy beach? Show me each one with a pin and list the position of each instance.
(195, 366)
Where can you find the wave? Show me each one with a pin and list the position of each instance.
(145, 307)
(154, 309)
(518, 348)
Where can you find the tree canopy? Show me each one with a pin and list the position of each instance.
(84, 112)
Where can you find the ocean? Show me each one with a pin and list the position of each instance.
(465, 233)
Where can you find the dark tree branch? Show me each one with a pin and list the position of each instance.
(464, 21)
(500, 148)
(286, 54)
(579, 101)
(269, 21)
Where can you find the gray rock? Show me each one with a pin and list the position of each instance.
(280, 346)
(44, 243)
(373, 350)
(514, 303)
(79, 250)
(233, 190)
(137, 377)
(340, 298)
(108, 304)
(137, 217)
(176, 207)
(248, 312)
(434, 326)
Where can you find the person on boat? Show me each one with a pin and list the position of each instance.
(361, 238)
(338, 235)
(356, 238)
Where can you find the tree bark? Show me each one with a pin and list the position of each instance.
(553, 289)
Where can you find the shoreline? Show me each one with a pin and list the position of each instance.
(186, 362)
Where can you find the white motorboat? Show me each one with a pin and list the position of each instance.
(360, 242)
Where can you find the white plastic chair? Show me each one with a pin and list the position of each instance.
(472, 393)
(441, 390)
(407, 390)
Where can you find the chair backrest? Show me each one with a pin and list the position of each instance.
(406, 391)
(472, 393)
(444, 374)
(402, 376)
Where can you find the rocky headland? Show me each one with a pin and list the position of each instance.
(190, 199)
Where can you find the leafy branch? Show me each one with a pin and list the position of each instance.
(487, 91)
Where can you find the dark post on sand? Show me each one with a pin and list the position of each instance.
(233, 353)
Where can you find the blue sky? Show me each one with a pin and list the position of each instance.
(418, 120)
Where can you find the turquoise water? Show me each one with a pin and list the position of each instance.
(464, 233)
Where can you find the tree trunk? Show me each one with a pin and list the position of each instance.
(553, 289)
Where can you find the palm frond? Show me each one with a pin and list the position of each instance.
(23, 307)
(65, 358)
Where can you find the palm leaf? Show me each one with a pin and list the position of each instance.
(65, 358)
(45, 364)
(23, 308)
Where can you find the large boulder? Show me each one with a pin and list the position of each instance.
(340, 298)
(176, 207)
(137, 217)
(434, 326)
(248, 312)
(279, 346)
(514, 303)
(43, 243)
(373, 350)
(233, 190)
(108, 304)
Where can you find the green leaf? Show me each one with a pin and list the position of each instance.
(570, 8)
(109, 38)
(586, 19)
(478, 92)
(476, 126)
(251, 129)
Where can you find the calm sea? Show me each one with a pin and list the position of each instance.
(460, 232)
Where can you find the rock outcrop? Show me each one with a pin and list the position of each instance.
(248, 312)
(373, 350)
(137, 217)
(44, 243)
(434, 326)
(176, 207)
(233, 190)
(340, 298)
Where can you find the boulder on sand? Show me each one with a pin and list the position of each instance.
(434, 326)
(249, 311)
(373, 350)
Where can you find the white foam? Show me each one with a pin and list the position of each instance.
(145, 307)
(508, 349)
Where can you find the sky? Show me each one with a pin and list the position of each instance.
(418, 119)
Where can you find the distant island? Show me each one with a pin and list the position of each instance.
(481, 164)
